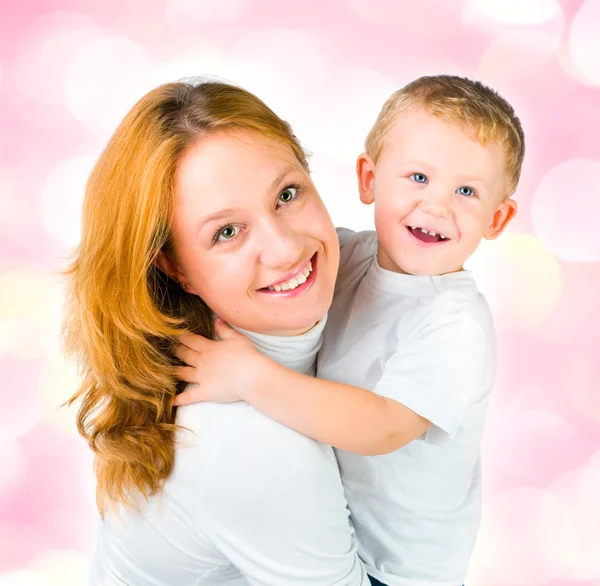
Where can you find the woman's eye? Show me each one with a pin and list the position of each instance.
(227, 233)
(419, 178)
(288, 194)
(464, 190)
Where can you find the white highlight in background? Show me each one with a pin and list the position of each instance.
(584, 41)
(519, 277)
(39, 70)
(62, 196)
(105, 78)
(209, 10)
(563, 206)
(513, 12)
(204, 60)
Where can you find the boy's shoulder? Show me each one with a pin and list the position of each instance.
(458, 309)
(353, 243)
(357, 251)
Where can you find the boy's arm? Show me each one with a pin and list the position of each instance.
(346, 417)
(343, 416)
(430, 379)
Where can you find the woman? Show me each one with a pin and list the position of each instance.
(202, 202)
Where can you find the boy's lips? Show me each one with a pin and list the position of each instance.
(426, 235)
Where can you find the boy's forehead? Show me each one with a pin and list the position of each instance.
(417, 133)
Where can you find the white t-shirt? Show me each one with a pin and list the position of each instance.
(428, 343)
(249, 502)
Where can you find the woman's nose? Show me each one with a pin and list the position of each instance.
(279, 244)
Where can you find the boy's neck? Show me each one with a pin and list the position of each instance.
(385, 263)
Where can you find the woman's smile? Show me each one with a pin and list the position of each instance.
(297, 282)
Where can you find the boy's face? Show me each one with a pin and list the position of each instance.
(432, 177)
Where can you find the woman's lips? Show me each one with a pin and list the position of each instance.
(301, 287)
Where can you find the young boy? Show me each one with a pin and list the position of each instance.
(408, 357)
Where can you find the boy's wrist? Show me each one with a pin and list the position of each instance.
(266, 378)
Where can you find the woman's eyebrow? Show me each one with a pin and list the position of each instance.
(217, 216)
(285, 171)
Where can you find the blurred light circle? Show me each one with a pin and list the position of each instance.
(518, 55)
(573, 538)
(58, 382)
(393, 12)
(260, 62)
(31, 294)
(519, 277)
(13, 468)
(209, 10)
(563, 205)
(22, 578)
(106, 76)
(40, 66)
(509, 532)
(339, 133)
(590, 486)
(515, 12)
(19, 544)
(540, 444)
(204, 60)
(20, 405)
(582, 386)
(7, 195)
(584, 41)
(61, 567)
(61, 199)
(336, 183)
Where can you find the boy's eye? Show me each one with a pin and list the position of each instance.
(464, 190)
(419, 178)
(288, 194)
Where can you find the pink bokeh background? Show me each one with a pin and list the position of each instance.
(69, 70)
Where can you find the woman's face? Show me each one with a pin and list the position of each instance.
(252, 237)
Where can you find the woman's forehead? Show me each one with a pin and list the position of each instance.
(231, 169)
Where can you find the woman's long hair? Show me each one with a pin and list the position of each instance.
(122, 312)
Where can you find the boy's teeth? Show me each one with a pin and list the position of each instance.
(294, 282)
(427, 232)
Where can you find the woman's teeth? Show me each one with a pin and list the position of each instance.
(294, 282)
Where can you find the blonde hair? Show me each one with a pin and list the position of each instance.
(122, 311)
(474, 106)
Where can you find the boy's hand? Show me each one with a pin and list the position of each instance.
(221, 370)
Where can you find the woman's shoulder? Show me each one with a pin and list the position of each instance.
(230, 432)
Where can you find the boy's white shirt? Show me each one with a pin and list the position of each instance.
(429, 343)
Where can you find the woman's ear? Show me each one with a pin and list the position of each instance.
(170, 268)
(503, 215)
(365, 171)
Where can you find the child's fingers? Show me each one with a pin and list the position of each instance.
(193, 395)
(187, 374)
(225, 331)
(186, 355)
(195, 342)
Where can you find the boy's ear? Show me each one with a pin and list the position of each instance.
(365, 170)
(504, 214)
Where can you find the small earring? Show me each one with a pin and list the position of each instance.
(184, 286)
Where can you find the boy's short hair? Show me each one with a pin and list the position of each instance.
(468, 103)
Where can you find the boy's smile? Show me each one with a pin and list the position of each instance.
(437, 193)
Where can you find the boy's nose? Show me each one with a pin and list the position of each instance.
(437, 204)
